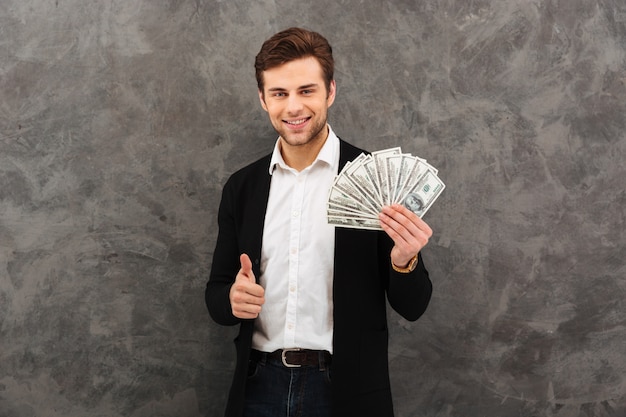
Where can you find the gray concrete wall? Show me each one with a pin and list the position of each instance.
(121, 120)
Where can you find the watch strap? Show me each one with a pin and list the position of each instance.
(409, 268)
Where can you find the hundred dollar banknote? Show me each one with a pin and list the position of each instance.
(384, 177)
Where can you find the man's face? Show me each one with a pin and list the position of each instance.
(297, 102)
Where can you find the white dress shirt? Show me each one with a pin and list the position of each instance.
(297, 255)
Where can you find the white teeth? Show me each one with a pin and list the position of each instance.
(296, 122)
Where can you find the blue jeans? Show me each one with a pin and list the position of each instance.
(274, 390)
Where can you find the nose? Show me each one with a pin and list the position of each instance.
(294, 104)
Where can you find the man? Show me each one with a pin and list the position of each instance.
(310, 299)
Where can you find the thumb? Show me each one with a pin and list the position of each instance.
(246, 267)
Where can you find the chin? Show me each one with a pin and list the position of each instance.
(296, 141)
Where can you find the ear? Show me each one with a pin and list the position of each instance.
(331, 93)
(262, 100)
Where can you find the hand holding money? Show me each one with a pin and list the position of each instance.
(408, 232)
(371, 182)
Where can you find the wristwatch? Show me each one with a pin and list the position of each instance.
(409, 268)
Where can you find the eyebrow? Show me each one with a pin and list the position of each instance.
(302, 87)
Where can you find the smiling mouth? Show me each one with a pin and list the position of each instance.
(298, 122)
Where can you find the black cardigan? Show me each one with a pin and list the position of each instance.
(363, 278)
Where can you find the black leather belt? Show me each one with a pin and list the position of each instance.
(294, 358)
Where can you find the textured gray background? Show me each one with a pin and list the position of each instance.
(121, 119)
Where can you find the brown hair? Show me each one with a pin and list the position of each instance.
(291, 44)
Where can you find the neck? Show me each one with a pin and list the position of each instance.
(299, 157)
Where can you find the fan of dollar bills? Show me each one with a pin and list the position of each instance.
(385, 177)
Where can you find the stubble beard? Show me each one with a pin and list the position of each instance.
(317, 134)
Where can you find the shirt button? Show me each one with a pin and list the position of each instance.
(295, 213)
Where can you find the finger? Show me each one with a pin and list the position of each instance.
(246, 286)
(399, 229)
(246, 298)
(246, 267)
(246, 311)
(405, 218)
(245, 315)
(409, 233)
(247, 301)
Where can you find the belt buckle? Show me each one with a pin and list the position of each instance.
(284, 358)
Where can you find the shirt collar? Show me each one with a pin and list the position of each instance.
(328, 154)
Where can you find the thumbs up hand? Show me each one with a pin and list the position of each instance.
(246, 296)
